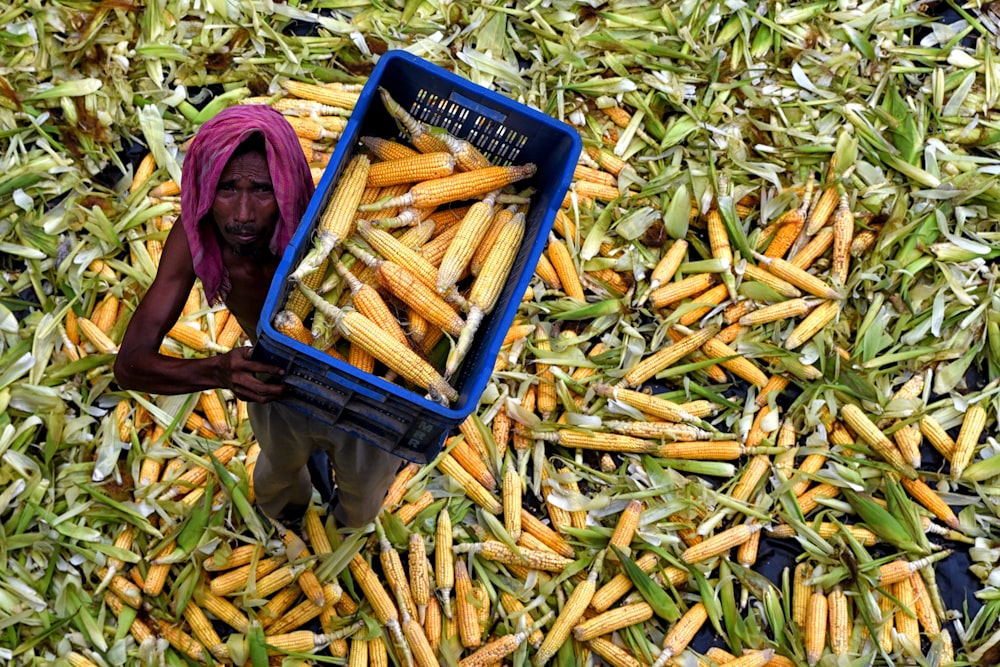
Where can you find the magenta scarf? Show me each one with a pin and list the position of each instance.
(207, 157)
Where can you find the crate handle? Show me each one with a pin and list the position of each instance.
(356, 388)
(481, 109)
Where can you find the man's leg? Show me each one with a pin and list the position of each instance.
(280, 477)
(363, 473)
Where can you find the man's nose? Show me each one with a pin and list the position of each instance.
(245, 206)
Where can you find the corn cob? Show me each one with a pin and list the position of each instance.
(358, 655)
(613, 654)
(387, 149)
(239, 556)
(100, 340)
(473, 489)
(532, 525)
(937, 436)
(716, 450)
(328, 95)
(565, 268)
(512, 502)
(444, 560)
(234, 579)
(667, 356)
(788, 227)
(409, 511)
(433, 622)
(501, 553)
(399, 485)
(289, 324)
(420, 584)
(720, 543)
(620, 584)
(628, 521)
(495, 651)
(610, 621)
(816, 625)
(868, 431)
(801, 593)
(734, 361)
(798, 277)
(682, 633)
(335, 223)
(362, 331)
(375, 653)
(812, 324)
(383, 606)
(369, 303)
(410, 169)
(488, 285)
(671, 293)
(569, 615)
(470, 233)
(465, 611)
(826, 530)
(223, 609)
(839, 619)
(922, 605)
(927, 497)
(395, 575)
(650, 405)
(458, 186)
(968, 438)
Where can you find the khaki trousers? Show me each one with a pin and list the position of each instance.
(287, 438)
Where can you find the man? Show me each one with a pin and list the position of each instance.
(245, 186)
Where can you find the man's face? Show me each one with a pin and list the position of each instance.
(245, 209)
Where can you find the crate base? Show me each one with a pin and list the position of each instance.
(405, 435)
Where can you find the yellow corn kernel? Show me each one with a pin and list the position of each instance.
(812, 324)
(224, 610)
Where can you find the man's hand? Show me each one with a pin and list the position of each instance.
(241, 374)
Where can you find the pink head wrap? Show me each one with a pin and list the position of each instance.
(207, 157)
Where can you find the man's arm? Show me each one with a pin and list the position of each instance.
(140, 366)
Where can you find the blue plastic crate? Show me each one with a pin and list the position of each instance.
(384, 414)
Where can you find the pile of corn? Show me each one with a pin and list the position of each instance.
(737, 421)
